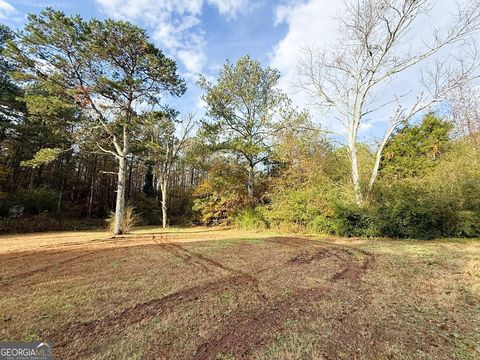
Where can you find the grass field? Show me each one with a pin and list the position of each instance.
(202, 293)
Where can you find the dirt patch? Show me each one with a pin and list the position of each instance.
(305, 258)
(90, 332)
(24, 275)
(250, 330)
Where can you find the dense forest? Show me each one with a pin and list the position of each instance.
(88, 134)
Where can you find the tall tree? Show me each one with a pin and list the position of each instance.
(10, 108)
(243, 104)
(166, 138)
(373, 49)
(111, 70)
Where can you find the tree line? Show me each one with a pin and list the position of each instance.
(87, 129)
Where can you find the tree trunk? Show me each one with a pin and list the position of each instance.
(92, 188)
(192, 176)
(158, 191)
(164, 189)
(90, 198)
(355, 174)
(120, 204)
(378, 158)
(60, 197)
(32, 177)
(376, 167)
(129, 187)
(63, 170)
(250, 187)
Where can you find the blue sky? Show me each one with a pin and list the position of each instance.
(212, 32)
(202, 34)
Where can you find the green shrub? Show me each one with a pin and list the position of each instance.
(34, 201)
(468, 224)
(352, 220)
(413, 209)
(444, 202)
(45, 222)
(148, 211)
(250, 219)
(320, 224)
(294, 208)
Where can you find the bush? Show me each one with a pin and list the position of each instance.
(445, 202)
(320, 210)
(354, 220)
(419, 209)
(34, 201)
(130, 220)
(468, 224)
(250, 219)
(181, 205)
(44, 222)
(322, 225)
(38, 200)
(148, 212)
(299, 209)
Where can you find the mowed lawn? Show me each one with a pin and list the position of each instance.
(200, 293)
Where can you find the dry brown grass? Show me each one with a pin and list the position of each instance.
(204, 293)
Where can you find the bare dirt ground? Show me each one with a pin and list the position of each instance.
(223, 294)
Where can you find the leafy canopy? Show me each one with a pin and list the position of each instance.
(413, 150)
(108, 68)
(242, 105)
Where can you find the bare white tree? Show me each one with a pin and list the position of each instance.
(373, 49)
(167, 139)
(465, 110)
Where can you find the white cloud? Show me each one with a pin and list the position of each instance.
(193, 60)
(6, 9)
(176, 24)
(310, 22)
(230, 7)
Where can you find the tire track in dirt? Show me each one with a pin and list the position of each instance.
(201, 260)
(162, 305)
(185, 256)
(246, 329)
(102, 328)
(349, 329)
(348, 320)
(27, 274)
(250, 330)
(352, 273)
(342, 252)
(303, 258)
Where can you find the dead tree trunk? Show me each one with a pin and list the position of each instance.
(164, 191)
(355, 174)
(120, 203)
